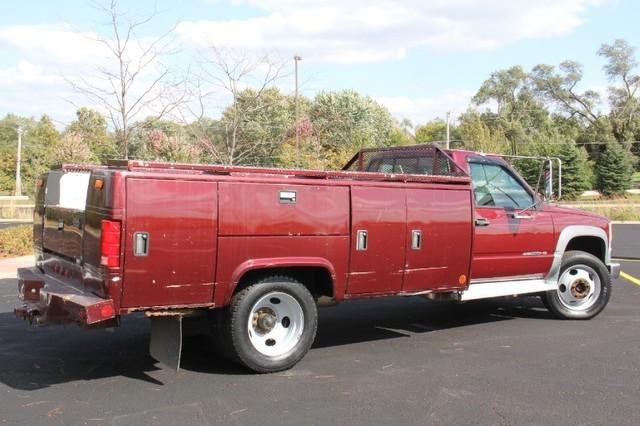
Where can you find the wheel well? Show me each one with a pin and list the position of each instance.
(316, 279)
(592, 245)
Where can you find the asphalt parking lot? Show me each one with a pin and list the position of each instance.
(387, 361)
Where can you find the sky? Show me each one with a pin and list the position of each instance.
(418, 58)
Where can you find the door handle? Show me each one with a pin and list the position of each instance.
(481, 221)
(416, 239)
(522, 216)
(141, 244)
(362, 240)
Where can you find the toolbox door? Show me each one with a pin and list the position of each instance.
(378, 226)
(439, 238)
(170, 242)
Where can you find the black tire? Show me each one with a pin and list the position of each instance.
(235, 333)
(578, 263)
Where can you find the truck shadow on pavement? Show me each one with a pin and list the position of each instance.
(36, 358)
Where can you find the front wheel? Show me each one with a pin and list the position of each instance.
(584, 287)
(270, 325)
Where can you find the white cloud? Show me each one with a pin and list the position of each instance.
(26, 72)
(54, 43)
(352, 31)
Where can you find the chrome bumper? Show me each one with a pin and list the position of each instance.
(614, 269)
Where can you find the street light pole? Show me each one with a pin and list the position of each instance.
(297, 58)
(18, 155)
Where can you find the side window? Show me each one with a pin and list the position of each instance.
(493, 185)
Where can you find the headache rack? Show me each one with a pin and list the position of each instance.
(424, 159)
(432, 165)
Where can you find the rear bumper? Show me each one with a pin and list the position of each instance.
(614, 269)
(48, 300)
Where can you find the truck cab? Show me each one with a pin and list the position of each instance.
(256, 251)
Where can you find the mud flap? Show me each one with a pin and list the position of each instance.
(165, 344)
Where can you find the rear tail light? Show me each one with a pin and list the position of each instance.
(110, 244)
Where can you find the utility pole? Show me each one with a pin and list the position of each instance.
(18, 155)
(448, 115)
(297, 58)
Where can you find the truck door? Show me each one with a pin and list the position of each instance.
(507, 244)
(170, 242)
(378, 227)
(438, 235)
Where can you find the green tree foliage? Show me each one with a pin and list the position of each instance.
(346, 121)
(614, 170)
(41, 142)
(575, 170)
(8, 143)
(517, 109)
(432, 131)
(477, 136)
(90, 128)
(623, 91)
(268, 120)
(400, 137)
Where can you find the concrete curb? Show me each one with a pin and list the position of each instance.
(626, 222)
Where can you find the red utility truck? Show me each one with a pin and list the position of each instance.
(255, 251)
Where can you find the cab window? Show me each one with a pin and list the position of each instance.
(494, 185)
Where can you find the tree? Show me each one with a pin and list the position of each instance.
(8, 143)
(345, 122)
(170, 147)
(623, 99)
(477, 136)
(136, 81)
(248, 81)
(432, 131)
(73, 149)
(614, 168)
(517, 109)
(40, 143)
(559, 87)
(575, 170)
(268, 122)
(90, 127)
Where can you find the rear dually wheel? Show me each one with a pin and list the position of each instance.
(270, 325)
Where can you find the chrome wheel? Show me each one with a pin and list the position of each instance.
(275, 324)
(579, 287)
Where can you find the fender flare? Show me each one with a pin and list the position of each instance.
(277, 262)
(566, 235)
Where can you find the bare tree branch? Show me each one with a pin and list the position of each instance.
(136, 80)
